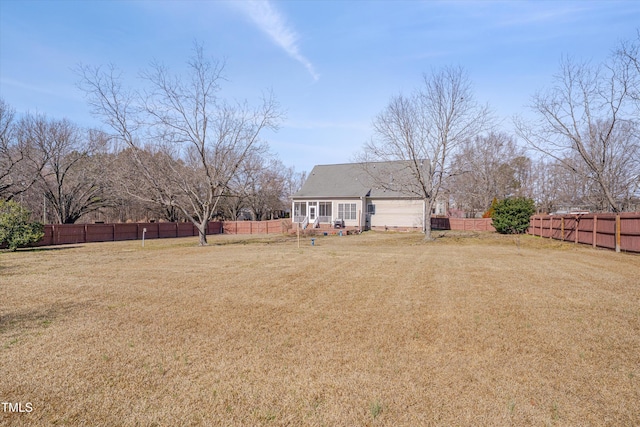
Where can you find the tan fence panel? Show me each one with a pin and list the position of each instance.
(275, 226)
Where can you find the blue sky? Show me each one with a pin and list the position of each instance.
(333, 65)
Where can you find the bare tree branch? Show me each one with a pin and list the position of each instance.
(201, 139)
(423, 130)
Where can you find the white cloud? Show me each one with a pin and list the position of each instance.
(272, 22)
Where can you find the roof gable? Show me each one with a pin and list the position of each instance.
(374, 179)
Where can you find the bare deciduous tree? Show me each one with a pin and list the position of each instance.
(136, 189)
(586, 116)
(487, 167)
(72, 178)
(19, 162)
(629, 54)
(264, 186)
(8, 157)
(201, 139)
(423, 130)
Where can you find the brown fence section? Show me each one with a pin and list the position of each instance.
(467, 224)
(620, 232)
(65, 234)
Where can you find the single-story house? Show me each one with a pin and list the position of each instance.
(374, 195)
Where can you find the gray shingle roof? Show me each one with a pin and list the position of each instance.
(375, 179)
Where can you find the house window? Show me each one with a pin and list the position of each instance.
(300, 209)
(325, 209)
(371, 209)
(346, 210)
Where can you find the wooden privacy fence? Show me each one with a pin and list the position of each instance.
(620, 232)
(468, 224)
(65, 234)
(257, 227)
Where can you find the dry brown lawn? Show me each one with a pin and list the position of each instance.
(376, 329)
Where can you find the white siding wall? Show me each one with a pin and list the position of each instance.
(397, 213)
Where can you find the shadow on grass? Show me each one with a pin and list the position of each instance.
(251, 240)
(38, 317)
(48, 248)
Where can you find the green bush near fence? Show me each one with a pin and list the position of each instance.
(16, 228)
(512, 215)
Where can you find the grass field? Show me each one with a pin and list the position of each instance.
(375, 329)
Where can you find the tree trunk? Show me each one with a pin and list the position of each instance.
(427, 233)
(426, 214)
(202, 233)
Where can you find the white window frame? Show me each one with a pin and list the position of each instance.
(300, 209)
(347, 211)
(323, 207)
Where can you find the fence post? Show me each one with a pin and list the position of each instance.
(595, 230)
(576, 228)
(550, 227)
(618, 232)
(562, 228)
(540, 225)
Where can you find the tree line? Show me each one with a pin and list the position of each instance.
(77, 173)
(173, 148)
(580, 144)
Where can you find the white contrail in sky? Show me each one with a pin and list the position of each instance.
(272, 22)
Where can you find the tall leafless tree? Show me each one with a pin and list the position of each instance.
(20, 163)
(9, 156)
(265, 190)
(72, 178)
(629, 54)
(587, 115)
(487, 167)
(424, 130)
(201, 139)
